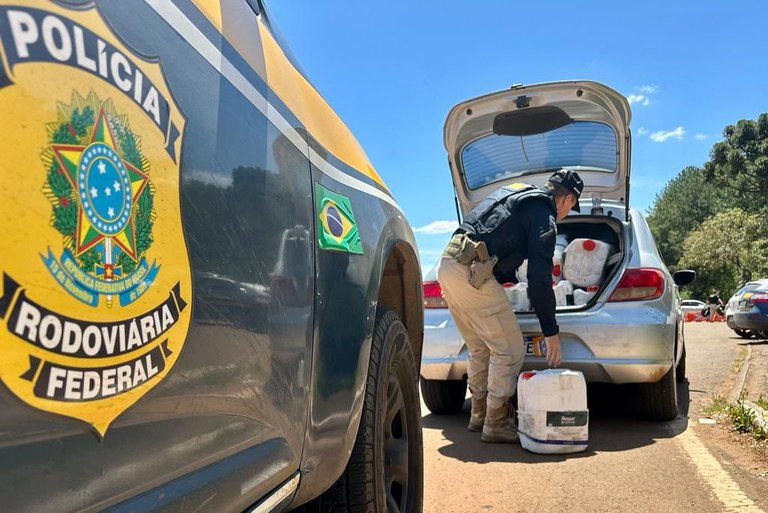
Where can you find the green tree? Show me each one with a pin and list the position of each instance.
(684, 203)
(726, 250)
(740, 163)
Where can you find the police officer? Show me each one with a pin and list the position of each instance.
(516, 222)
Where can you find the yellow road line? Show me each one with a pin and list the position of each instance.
(712, 473)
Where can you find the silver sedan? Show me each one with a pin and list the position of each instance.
(628, 330)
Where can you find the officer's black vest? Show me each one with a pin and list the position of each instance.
(494, 222)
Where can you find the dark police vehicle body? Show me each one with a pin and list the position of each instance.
(210, 300)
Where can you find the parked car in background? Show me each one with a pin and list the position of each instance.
(210, 299)
(630, 330)
(750, 312)
(733, 306)
(692, 309)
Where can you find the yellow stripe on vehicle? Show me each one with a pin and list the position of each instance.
(212, 10)
(311, 109)
(197, 40)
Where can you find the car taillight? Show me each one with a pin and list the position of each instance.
(638, 284)
(759, 298)
(433, 295)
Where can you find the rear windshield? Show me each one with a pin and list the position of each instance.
(748, 288)
(498, 157)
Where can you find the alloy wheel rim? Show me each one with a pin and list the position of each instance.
(396, 447)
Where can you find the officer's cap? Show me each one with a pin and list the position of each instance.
(569, 179)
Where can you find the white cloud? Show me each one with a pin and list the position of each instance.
(663, 135)
(638, 98)
(437, 227)
(642, 97)
(700, 137)
(642, 130)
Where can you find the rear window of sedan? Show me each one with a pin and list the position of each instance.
(494, 157)
(748, 288)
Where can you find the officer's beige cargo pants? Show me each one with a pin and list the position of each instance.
(487, 323)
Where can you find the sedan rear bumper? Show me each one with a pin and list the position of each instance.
(594, 370)
(613, 343)
(750, 321)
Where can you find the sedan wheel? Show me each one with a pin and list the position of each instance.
(743, 333)
(658, 401)
(680, 371)
(444, 396)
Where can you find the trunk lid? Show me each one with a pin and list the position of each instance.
(525, 133)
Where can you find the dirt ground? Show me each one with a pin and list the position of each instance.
(756, 382)
(743, 450)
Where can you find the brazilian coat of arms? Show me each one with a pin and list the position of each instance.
(101, 196)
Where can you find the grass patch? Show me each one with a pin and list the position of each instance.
(740, 417)
(739, 361)
(762, 402)
(718, 405)
(743, 419)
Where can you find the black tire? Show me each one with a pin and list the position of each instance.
(761, 334)
(385, 472)
(444, 396)
(743, 333)
(658, 401)
(680, 371)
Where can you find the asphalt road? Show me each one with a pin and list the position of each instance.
(630, 464)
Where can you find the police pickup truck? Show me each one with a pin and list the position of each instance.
(210, 300)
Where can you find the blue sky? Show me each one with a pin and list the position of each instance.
(392, 71)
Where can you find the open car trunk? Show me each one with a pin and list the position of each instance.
(593, 253)
(524, 134)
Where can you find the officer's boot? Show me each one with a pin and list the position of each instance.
(477, 416)
(499, 424)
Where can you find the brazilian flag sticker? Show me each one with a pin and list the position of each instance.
(336, 226)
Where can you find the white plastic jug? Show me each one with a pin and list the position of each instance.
(518, 296)
(522, 272)
(557, 268)
(562, 291)
(561, 242)
(583, 296)
(557, 260)
(585, 261)
(552, 411)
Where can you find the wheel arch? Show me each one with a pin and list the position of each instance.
(389, 278)
(400, 290)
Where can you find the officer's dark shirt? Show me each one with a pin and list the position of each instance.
(515, 228)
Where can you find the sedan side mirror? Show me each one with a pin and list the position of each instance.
(684, 277)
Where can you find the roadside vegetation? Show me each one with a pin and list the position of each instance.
(739, 416)
(713, 219)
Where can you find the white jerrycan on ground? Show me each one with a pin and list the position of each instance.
(552, 411)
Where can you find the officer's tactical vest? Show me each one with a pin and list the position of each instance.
(493, 220)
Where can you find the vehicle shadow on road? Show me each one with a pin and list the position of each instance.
(748, 339)
(613, 426)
